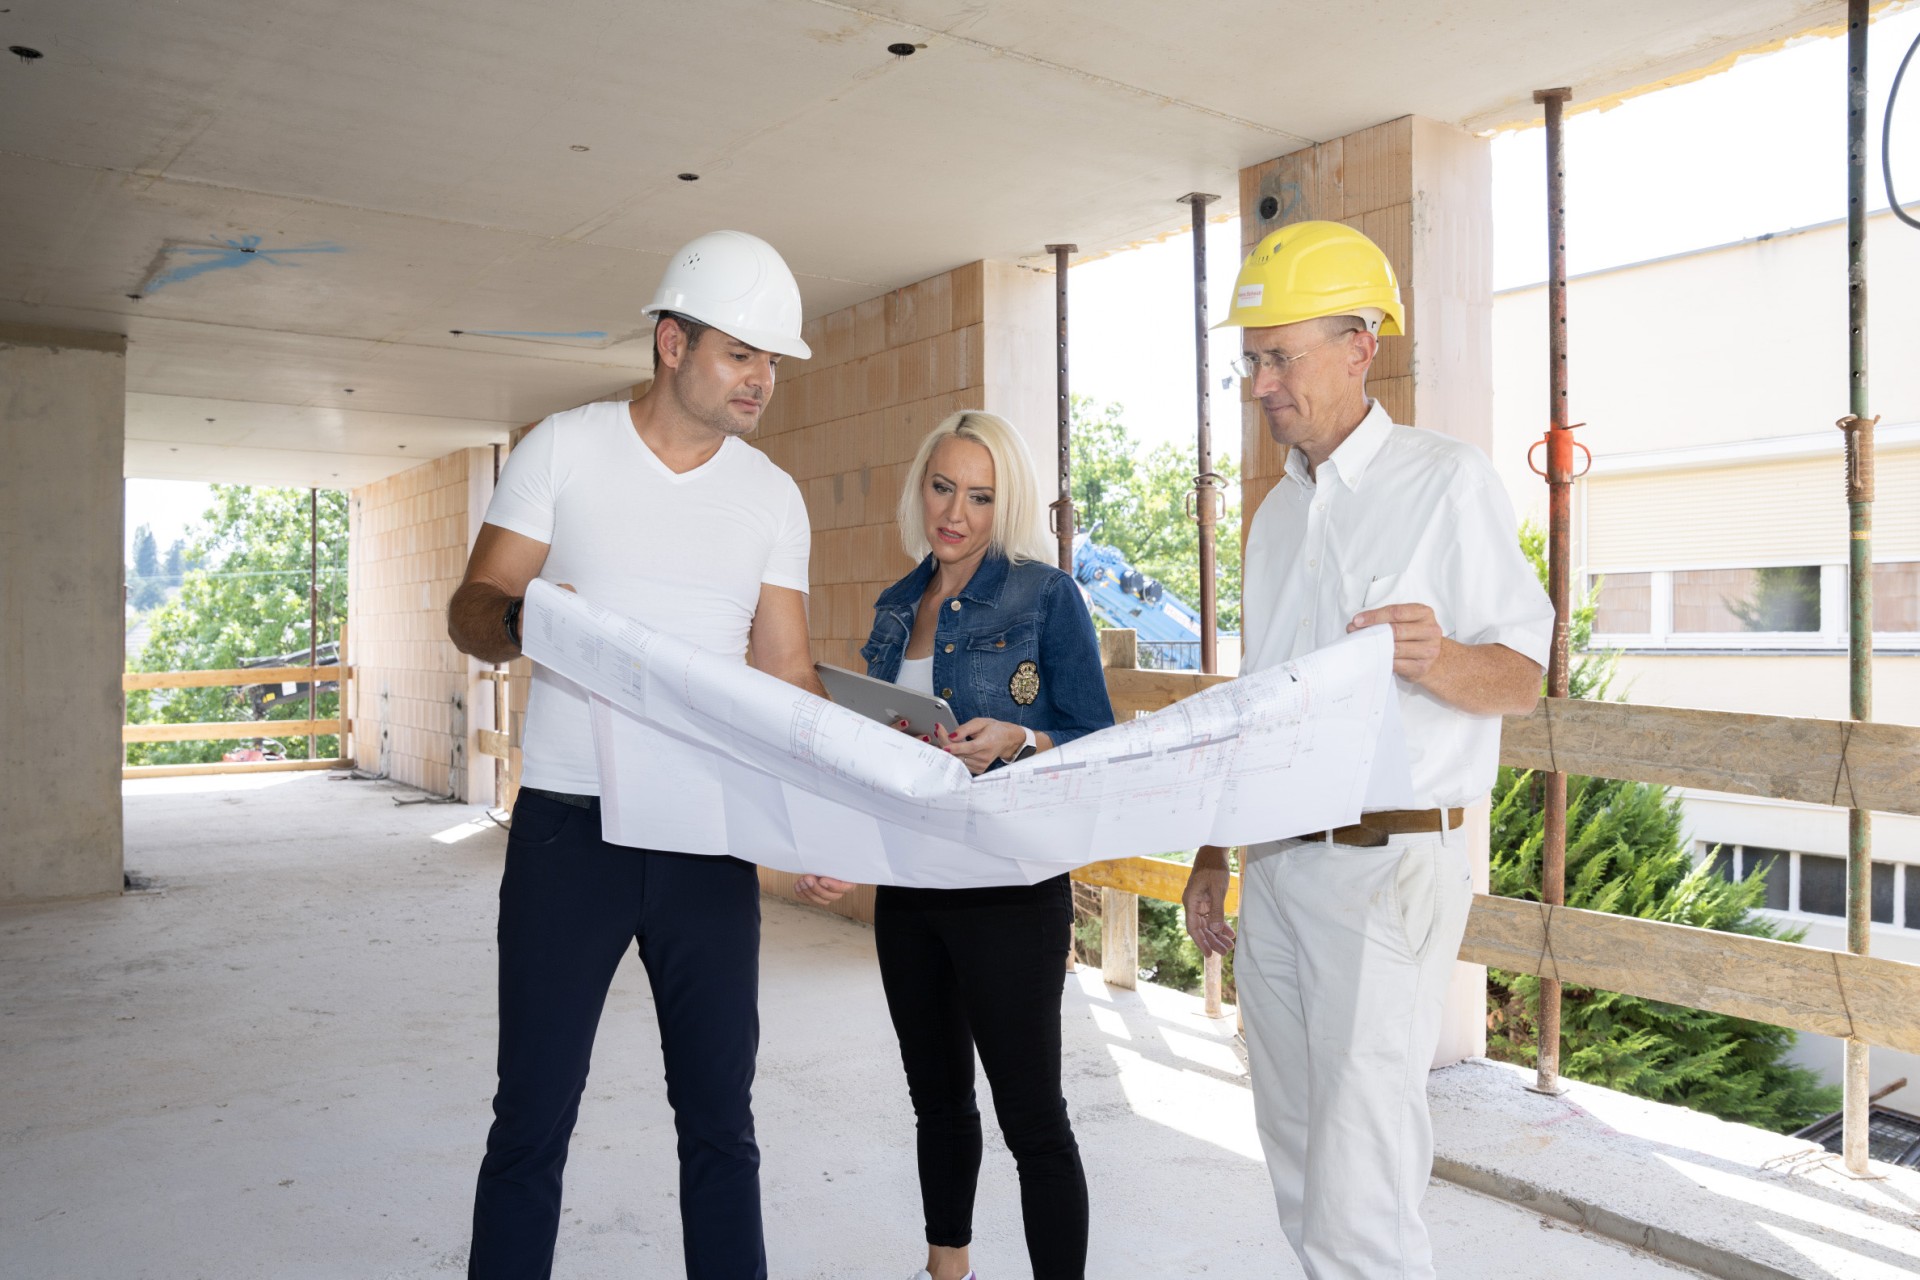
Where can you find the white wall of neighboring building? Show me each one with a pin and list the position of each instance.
(1709, 383)
(1743, 342)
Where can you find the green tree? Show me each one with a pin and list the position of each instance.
(1135, 500)
(144, 586)
(1628, 853)
(176, 564)
(243, 597)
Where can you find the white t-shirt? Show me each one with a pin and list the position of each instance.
(916, 674)
(685, 554)
(1397, 516)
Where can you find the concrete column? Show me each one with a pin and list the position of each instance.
(62, 611)
(1423, 191)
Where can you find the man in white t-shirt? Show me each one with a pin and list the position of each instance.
(659, 510)
(1347, 938)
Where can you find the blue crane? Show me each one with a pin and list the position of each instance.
(1122, 596)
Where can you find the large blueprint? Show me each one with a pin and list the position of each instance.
(699, 753)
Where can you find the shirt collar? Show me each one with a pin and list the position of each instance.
(982, 588)
(1355, 454)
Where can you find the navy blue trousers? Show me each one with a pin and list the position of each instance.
(570, 904)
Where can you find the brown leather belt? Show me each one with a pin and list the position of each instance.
(1374, 829)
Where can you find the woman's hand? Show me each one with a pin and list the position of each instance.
(980, 742)
(819, 891)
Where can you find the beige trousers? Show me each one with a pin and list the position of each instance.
(1342, 968)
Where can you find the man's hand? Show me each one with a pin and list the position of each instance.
(1480, 679)
(1416, 637)
(819, 890)
(1205, 900)
(502, 564)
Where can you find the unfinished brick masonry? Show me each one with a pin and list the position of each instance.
(410, 537)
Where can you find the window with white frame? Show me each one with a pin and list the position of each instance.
(1760, 607)
(1816, 883)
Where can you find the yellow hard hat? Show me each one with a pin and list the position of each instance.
(1314, 269)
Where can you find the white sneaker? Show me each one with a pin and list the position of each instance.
(924, 1274)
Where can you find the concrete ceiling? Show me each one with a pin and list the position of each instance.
(279, 200)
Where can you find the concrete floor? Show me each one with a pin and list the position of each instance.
(280, 1067)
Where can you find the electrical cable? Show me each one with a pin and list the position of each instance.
(1886, 140)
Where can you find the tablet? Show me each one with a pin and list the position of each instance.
(888, 703)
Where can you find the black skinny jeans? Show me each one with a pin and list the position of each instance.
(967, 968)
(570, 906)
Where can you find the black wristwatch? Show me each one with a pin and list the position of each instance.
(512, 620)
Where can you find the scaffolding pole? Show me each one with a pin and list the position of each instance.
(1855, 1106)
(313, 615)
(1063, 505)
(1204, 502)
(1559, 473)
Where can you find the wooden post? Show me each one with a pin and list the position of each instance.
(1120, 911)
(1120, 938)
(313, 613)
(1211, 983)
(344, 681)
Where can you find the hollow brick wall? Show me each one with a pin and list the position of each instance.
(410, 535)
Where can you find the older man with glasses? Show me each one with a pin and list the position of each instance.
(1347, 937)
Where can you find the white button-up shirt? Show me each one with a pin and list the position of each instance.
(1397, 516)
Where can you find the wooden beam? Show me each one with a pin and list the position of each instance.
(223, 766)
(1133, 691)
(494, 743)
(226, 729)
(1161, 879)
(1850, 764)
(133, 680)
(1120, 649)
(1830, 993)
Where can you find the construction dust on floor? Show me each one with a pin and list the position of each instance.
(280, 1063)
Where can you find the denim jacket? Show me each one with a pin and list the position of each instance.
(1016, 644)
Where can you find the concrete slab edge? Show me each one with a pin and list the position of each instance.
(1702, 1256)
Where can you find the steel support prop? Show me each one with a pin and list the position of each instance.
(1206, 500)
(1855, 1108)
(313, 614)
(1063, 505)
(1559, 472)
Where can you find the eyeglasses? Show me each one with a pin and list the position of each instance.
(1278, 362)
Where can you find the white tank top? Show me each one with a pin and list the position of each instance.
(916, 674)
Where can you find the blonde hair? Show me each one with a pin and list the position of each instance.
(1016, 493)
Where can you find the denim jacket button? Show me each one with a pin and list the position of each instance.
(954, 605)
(946, 693)
(949, 648)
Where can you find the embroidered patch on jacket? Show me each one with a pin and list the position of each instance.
(1025, 684)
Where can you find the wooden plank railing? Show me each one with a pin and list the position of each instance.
(339, 674)
(1830, 993)
(226, 730)
(1831, 762)
(1845, 763)
(134, 680)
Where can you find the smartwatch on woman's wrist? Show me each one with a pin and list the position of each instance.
(1027, 748)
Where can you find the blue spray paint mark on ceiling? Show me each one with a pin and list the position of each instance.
(589, 334)
(243, 252)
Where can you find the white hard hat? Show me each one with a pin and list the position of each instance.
(739, 285)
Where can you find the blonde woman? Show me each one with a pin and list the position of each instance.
(986, 623)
